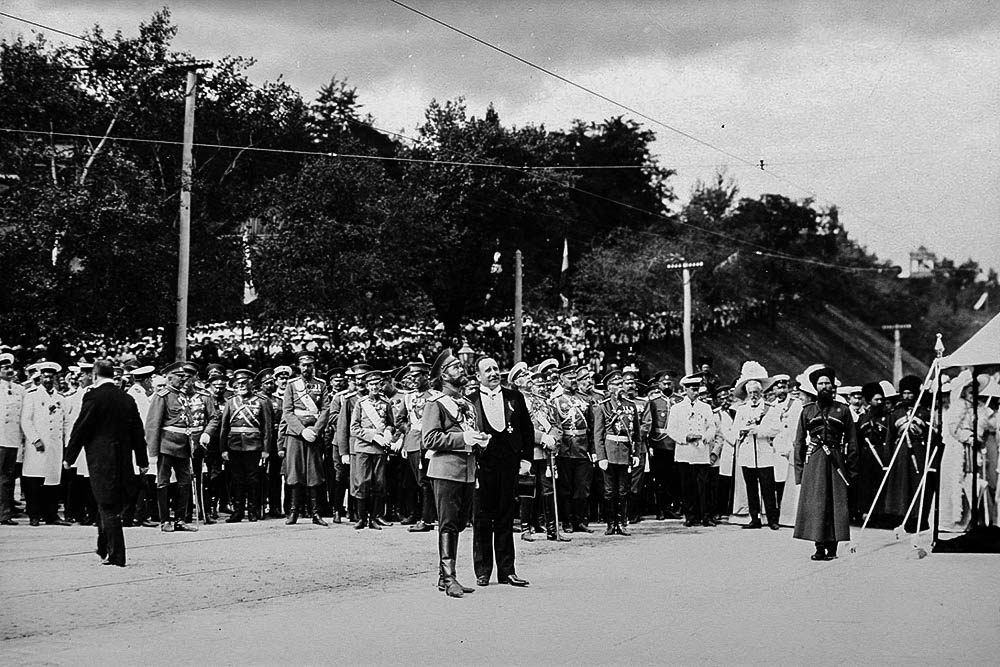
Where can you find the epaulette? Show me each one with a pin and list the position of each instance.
(35, 388)
(348, 393)
(162, 392)
(654, 394)
(203, 392)
(433, 394)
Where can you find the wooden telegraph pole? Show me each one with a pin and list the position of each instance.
(184, 245)
(897, 354)
(518, 313)
(685, 268)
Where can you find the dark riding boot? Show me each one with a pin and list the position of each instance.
(314, 507)
(294, 499)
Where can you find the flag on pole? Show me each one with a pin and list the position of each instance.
(564, 275)
(249, 292)
(981, 302)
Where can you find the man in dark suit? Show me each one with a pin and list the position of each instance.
(503, 415)
(110, 431)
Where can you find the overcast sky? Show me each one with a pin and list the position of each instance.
(887, 109)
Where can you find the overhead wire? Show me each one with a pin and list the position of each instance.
(524, 169)
(761, 164)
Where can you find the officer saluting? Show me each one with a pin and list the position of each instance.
(305, 409)
(168, 438)
(244, 439)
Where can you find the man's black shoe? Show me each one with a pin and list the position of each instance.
(482, 581)
(514, 580)
(580, 528)
(420, 527)
(753, 524)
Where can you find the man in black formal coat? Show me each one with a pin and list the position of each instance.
(503, 414)
(110, 431)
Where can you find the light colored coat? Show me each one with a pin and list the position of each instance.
(44, 417)
(755, 450)
(692, 418)
(11, 403)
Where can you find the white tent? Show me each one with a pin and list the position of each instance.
(982, 349)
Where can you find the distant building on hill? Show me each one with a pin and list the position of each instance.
(922, 263)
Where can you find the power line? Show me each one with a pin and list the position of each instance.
(46, 27)
(562, 78)
(758, 164)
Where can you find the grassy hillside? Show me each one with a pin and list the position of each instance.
(860, 352)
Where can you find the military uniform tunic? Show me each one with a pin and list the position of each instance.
(305, 405)
(823, 514)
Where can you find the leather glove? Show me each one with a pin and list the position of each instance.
(635, 461)
(225, 456)
(308, 434)
(39, 445)
(205, 439)
(525, 467)
(471, 439)
(346, 459)
(603, 464)
(549, 442)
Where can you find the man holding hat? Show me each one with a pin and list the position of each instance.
(373, 426)
(691, 424)
(45, 422)
(169, 440)
(575, 455)
(825, 465)
(244, 440)
(453, 437)
(11, 436)
(305, 410)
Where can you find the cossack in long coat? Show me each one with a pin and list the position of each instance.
(823, 514)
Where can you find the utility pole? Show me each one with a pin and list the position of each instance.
(518, 314)
(897, 354)
(685, 268)
(184, 245)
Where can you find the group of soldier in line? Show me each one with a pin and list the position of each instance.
(359, 445)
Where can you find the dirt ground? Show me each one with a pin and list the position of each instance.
(265, 593)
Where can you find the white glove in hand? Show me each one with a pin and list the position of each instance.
(308, 434)
(205, 439)
(603, 464)
(346, 459)
(471, 438)
(548, 442)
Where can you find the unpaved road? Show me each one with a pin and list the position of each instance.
(269, 594)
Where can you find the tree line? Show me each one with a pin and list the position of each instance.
(88, 222)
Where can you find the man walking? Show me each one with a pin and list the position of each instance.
(109, 432)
